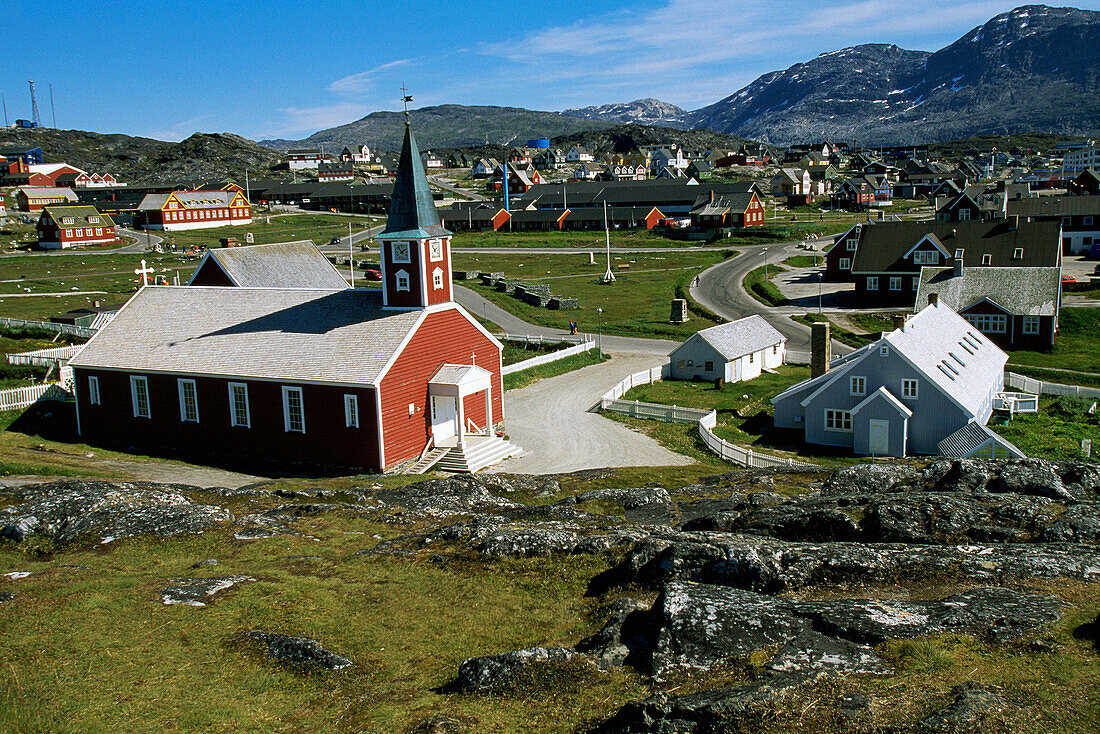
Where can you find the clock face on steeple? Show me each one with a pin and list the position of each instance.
(401, 252)
(435, 249)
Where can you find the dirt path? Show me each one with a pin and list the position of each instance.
(150, 471)
(551, 421)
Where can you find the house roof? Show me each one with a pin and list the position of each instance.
(79, 214)
(287, 265)
(939, 344)
(412, 211)
(189, 199)
(741, 337)
(1054, 206)
(721, 203)
(45, 192)
(883, 244)
(972, 437)
(1019, 291)
(256, 333)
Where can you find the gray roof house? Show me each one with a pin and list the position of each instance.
(285, 265)
(736, 351)
(905, 393)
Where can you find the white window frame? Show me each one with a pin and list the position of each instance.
(910, 389)
(851, 244)
(293, 423)
(437, 279)
(987, 259)
(838, 420)
(401, 280)
(845, 263)
(964, 214)
(895, 282)
(435, 249)
(188, 406)
(351, 411)
(926, 257)
(884, 351)
(93, 390)
(858, 385)
(139, 393)
(234, 416)
(1031, 325)
(988, 323)
(872, 282)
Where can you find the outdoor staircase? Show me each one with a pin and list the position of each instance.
(480, 452)
(429, 460)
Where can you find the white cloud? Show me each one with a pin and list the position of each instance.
(183, 129)
(364, 80)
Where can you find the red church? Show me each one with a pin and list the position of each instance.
(392, 380)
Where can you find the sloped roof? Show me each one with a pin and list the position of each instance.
(79, 213)
(48, 192)
(258, 333)
(1054, 206)
(412, 211)
(972, 437)
(1020, 291)
(741, 337)
(287, 265)
(883, 244)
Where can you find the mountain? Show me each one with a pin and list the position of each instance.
(1035, 68)
(629, 138)
(647, 111)
(447, 126)
(139, 160)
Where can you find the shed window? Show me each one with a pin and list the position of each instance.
(294, 420)
(139, 395)
(838, 420)
(189, 401)
(859, 385)
(93, 391)
(909, 389)
(238, 405)
(709, 367)
(895, 282)
(351, 411)
(1031, 324)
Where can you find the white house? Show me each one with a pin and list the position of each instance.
(736, 351)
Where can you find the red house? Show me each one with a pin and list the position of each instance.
(194, 210)
(339, 377)
(61, 227)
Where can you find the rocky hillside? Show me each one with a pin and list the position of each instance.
(1035, 68)
(138, 160)
(960, 596)
(647, 111)
(628, 138)
(447, 126)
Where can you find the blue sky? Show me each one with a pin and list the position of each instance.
(286, 69)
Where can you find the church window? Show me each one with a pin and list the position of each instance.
(139, 395)
(238, 405)
(400, 252)
(402, 279)
(189, 401)
(437, 278)
(351, 411)
(293, 410)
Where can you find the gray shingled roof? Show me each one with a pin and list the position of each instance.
(1020, 291)
(882, 245)
(297, 335)
(287, 265)
(741, 337)
(971, 437)
(1054, 206)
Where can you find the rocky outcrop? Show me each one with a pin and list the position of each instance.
(197, 592)
(973, 703)
(66, 510)
(494, 671)
(298, 651)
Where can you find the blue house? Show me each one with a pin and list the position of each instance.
(914, 388)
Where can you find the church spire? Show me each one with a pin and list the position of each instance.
(412, 211)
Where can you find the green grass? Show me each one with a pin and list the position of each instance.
(267, 228)
(762, 289)
(638, 303)
(1053, 433)
(1076, 348)
(514, 352)
(842, 335)
(523, 378)
(588, 239)
(802, 261)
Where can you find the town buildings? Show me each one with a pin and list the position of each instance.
(180, 210)
(61, 227)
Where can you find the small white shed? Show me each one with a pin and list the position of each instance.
(735, 351)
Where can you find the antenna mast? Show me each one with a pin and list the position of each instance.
(608, 276)
(35, 117)
(5, 102)
(52, 110)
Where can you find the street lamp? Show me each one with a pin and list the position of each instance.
(599, 331)
(820, 277)
(765, 263)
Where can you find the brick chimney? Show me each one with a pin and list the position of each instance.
(820, 348)
(899, 321)
(933, 299)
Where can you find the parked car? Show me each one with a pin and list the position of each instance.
(372, 274)
(1067, 279)
(335, 240)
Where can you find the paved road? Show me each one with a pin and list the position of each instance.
(144, 242)
(553, 422)
(719, 289)
(447, 186)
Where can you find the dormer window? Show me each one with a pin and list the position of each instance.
(93, 220)
(1018, 253)
(926, 257)
(987, 259)
(402, 280)
(68, 220)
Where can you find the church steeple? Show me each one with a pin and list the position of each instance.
(415, 247)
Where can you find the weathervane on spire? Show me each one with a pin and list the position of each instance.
(405, 99)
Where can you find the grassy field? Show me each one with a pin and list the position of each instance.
(526, 377)
(874, 323)
(1055, 432)
(266, 229)
(762, 288)
(638, 303)
(1077, 347)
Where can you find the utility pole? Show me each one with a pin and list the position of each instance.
(35, 117)
(52, 110)
(5, 102)
(351, 257)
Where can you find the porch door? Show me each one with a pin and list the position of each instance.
(444, 418)
(878, 437)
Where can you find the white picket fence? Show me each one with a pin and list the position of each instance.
(707, 419)
(17, 398)
(44, 357)
(81, 331)
(1038, 387)
(527, 364)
